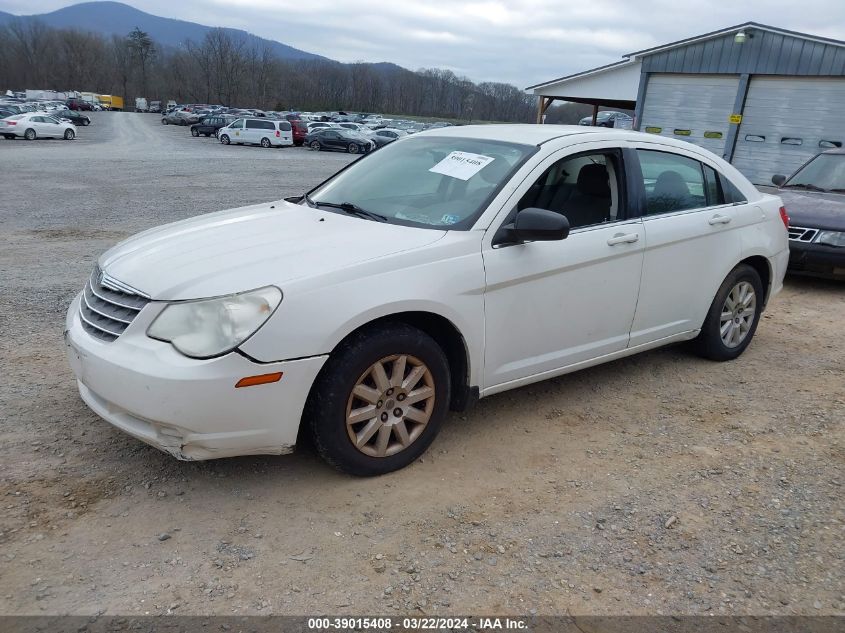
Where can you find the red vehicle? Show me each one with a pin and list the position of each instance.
(78, 104)
(300, 129)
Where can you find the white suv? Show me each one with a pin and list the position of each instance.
(450, 265)
(265, 132)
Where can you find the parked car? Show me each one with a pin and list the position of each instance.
(141, 105)
(608, 118)
(259, 131)
(300, 131)
(73, 117)
(79, 104)
(210, 125)
(815, 197)
(155, 106)
(383, 136)
(318, 125)
(453, 265)
(340, 140)
(179, 117)
(33, 125)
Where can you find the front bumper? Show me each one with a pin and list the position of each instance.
(188, 408)
(817, 260)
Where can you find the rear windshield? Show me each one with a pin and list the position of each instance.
(284, 126)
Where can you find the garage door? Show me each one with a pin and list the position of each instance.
(786, 120)
(692, 108)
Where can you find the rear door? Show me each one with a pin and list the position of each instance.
(285, 132)
(693, 238)
(253, 131)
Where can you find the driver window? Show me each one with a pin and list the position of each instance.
(584, 188)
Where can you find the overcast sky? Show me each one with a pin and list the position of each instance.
(519, 41)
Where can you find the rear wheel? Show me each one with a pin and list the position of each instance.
(380, 400)
(315, 145)
(225, 139)
(164, 121)
(29, 135)
(265, 142)
(733, 316)
(194, 132)
(9, 137)
(69, 135)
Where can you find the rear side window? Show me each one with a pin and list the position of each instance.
(713, 187)
(672, 182)
(732, 194)
(253, 125)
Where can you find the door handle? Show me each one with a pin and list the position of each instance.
(719, 219)
(623, 238)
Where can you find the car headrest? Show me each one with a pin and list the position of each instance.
(670, 184)
(593, 181)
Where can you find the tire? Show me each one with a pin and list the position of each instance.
(217, 134)
(86, 122)
(164, 121)
(207, 135)
(9, 137)
(69, 135)
(194, 132)
(265, 142)
(352, 149)
(736, 309)
(225, 139)
(315, 145)
(29, 135)
(351, 366)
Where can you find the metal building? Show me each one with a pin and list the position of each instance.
(764, 98)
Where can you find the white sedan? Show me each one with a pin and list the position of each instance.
(451, 265)
(32, 125)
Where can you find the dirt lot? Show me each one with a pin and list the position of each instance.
(660, 484)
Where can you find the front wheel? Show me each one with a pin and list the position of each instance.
(225, 139)
(265, 142)
(164, 121)
(86, 122)
(380, 400)
(733, 316)
(69, 134)
(352, 149)
(194, 132)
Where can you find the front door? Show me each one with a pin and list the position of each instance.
(551, 305)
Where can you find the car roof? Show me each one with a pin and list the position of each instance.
(838, 150)
(537, 134)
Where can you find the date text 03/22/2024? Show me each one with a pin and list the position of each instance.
(417, 624)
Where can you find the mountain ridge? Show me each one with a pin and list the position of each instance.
(108, 17)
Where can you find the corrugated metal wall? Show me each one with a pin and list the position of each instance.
(765, 53)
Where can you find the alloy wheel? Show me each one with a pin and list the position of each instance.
(738, 314)
(390, 405)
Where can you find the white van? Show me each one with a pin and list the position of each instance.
(264, 132)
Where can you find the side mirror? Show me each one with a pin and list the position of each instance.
(533, 225)
(778, 180)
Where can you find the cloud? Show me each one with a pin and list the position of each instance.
(517, 41)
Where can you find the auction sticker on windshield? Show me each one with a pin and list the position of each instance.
(462, 165)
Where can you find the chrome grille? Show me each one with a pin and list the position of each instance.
(105, 310)
(800, 234)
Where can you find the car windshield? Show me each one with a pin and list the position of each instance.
(825, 171)
(431, 182)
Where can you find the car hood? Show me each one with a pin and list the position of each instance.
(814, 209)
(251, 247)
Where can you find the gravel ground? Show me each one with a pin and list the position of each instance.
(658, 484)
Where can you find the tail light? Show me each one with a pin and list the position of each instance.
(278, 134)
(784, 217)
(12, 122)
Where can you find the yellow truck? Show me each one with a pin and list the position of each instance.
(111, 102)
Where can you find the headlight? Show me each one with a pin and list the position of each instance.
(831, 238)
(211, 327)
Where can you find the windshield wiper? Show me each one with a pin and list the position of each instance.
(808, 187)
(353, 209)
